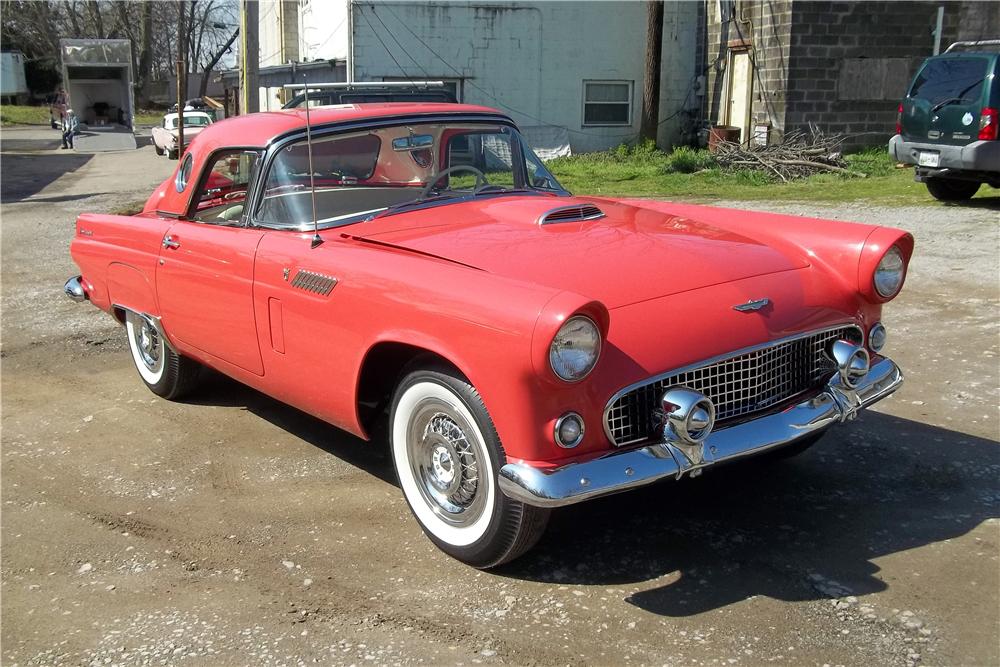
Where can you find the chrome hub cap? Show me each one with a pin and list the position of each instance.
(444, 458)
(147, 343)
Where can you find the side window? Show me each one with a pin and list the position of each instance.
(223, 190)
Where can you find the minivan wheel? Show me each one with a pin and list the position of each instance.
(951, 189)
(447, 456)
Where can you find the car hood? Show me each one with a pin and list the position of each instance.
(631, 254)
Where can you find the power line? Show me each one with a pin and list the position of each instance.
(491, 96)
(400, 44)
(402, 70)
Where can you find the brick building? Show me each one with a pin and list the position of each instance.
(777, 65)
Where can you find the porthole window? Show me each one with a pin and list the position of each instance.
(183, 174)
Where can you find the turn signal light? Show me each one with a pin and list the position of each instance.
(988, 122)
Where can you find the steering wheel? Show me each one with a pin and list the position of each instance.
(480, 178)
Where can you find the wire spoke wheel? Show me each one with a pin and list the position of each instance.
(447, 455)
(148, 343)
(445, 462)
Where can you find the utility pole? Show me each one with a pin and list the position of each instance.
(182, 46)
(180, 108)
(651, 79)
(249, 56)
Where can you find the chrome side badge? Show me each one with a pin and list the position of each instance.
(752, 304)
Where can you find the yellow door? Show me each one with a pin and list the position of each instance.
(740, 87)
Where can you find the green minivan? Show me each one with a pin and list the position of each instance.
(947, 125)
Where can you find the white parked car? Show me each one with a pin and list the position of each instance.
(165, 135)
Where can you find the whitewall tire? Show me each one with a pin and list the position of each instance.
(447, 456)
(165, 372)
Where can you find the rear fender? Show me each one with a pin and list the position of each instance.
(129, 288)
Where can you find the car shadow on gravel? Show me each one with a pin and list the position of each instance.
(979, 202)
(24, 175)
(372, 457)
(806, 528)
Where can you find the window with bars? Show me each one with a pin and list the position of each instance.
(607, 103)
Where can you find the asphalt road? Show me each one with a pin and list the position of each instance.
(230, 529)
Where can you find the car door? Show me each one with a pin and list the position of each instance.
(204, 277)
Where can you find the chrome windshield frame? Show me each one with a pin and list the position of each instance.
(274, 147)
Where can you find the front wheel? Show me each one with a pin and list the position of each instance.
(951, 189)
(165, 372)
(447, 456)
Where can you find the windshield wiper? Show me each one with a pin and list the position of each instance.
(499, 190)
(395, 208)
(958, 98)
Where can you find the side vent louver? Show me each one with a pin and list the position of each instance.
(576, 213)
(316, 283)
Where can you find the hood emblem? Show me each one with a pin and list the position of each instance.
(752, 304)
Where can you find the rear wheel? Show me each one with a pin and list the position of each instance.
(447, 456)
(159, 151)
(951, 189)
(165, 372)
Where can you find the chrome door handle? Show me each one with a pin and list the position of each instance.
(169, 242)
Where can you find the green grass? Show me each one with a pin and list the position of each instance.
(11, 114)
(689, 174)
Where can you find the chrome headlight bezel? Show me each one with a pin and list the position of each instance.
(562, 341)
(889, 273)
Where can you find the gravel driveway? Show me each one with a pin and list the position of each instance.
(232, 530)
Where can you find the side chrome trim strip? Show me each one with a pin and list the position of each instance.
(153, 319)
(715, 360)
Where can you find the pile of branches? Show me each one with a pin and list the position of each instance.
(799, 154)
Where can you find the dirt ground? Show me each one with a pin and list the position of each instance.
(230, 529)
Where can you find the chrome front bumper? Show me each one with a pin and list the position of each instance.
(624, 470)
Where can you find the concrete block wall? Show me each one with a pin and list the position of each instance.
(850, 63)
(764, 25)
(842, 66)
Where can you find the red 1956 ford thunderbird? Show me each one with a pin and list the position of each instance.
(529, 349)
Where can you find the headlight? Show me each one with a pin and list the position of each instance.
(575, 349)
(889, 273)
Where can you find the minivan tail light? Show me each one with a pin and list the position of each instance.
(988, 122)
(899, 119)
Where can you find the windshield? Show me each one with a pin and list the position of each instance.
(190, 120)
(951, 80)
(360, 175)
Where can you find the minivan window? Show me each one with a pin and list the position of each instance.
(944, 79)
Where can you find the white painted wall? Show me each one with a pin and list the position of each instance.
(323, 27)
(530, 59)
(269, 34)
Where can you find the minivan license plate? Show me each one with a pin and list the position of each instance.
(929, 159)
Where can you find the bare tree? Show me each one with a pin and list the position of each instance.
(36, 26)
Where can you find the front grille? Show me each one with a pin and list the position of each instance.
(740, 385)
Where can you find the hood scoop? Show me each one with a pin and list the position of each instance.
(575, 213)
